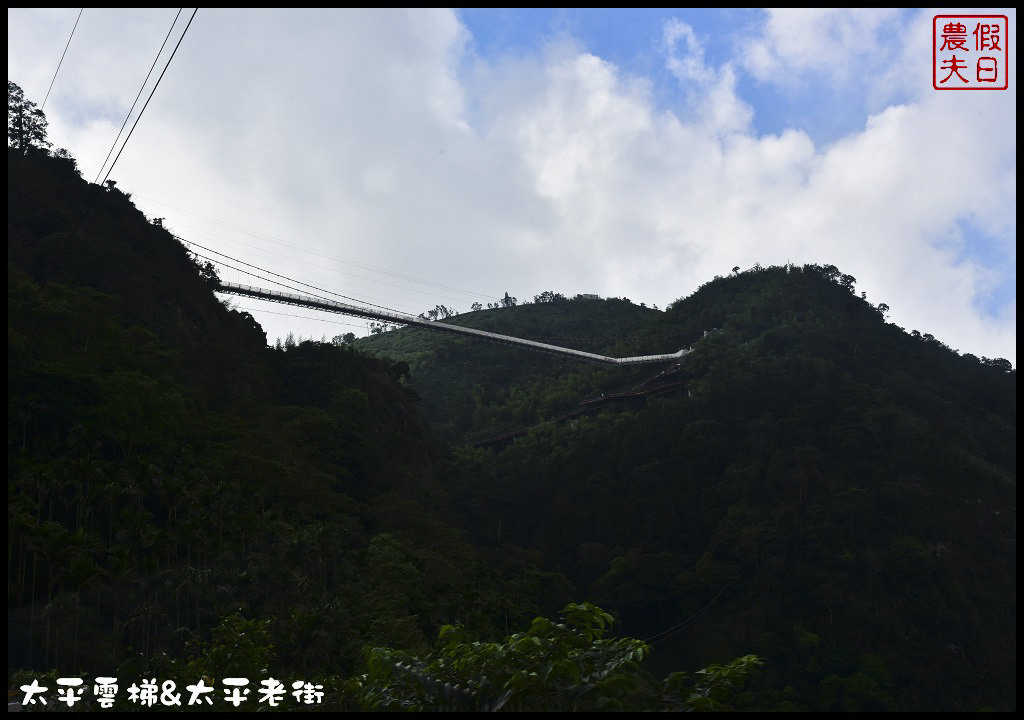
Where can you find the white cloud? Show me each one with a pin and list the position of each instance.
(828, 42)
(690, 66)
(710, 92)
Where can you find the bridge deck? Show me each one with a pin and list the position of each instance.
(437, 326)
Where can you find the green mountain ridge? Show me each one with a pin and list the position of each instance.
(167, 470)
(824, 489)
(837, 486)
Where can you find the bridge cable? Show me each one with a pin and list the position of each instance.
(259, 277)
(300, 317)
(365, 266)
(285, 277)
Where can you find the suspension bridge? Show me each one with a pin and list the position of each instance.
(398, 318)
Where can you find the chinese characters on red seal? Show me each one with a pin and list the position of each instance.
(970, 52)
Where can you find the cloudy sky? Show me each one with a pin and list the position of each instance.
(411, 158)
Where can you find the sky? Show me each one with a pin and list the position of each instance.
(414, 158)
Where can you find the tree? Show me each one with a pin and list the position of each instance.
(208, 272)
(376, 328)
(26, 123)
(238, 646)
(1001, 364)
(507, 301)
(549, 296)
(565, 666)
(440, 312)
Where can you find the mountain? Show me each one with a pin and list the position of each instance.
(474, 388)
(170, 475)
(823, 488)
(811, 484)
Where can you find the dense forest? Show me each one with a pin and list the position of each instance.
(817, 508)
(843, 489)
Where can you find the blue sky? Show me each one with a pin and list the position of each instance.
(824, 107)
(631, 153)
(632, 39)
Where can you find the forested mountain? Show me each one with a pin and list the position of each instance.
(169, 474)
(829, 491)
(811, 485)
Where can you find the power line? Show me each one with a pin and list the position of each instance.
(43, 106)
(136, 123)
(88, 209)
(136, 101)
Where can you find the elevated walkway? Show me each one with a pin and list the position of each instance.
(438, 326)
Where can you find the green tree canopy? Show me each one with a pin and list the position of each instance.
(551, 666)
(26, 123)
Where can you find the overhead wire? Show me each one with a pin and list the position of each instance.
(92, 201)
(228, 225)
(136, 101)
(61, 61)
(151, 93)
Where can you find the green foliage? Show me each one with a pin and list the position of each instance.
(476, 390)
(566, 666)
(26, 123)
(505, 302)
(822, 470)
(549, 296)
(713, 690)
(238, 647)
